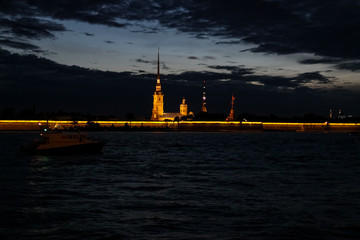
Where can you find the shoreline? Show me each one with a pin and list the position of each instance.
(35, 125)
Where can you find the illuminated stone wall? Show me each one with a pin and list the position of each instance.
(34, 125)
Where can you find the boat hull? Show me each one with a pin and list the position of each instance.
(93, 147)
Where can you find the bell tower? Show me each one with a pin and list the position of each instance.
(183, 108)
(158, 100)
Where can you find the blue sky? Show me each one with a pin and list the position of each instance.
(295, 56)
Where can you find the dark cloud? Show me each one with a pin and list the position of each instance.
(277, 48)
(228, 42)
(91, 11)
(326, 28)
(89, 34)
(110, 42)
(15, 7)
(32, 28)
(12, 43)
(204, 58)
(353, 66)
(99, 18)
(314, 77)
(239, 75)
(292, 82)
(320, 61)
(233, 69)
(25, 28)
(342, 64)
(146, 31)
(139, 60)
(153, 62)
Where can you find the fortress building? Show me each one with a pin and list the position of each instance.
(158, 113)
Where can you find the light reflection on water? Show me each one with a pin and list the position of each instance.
(186, 186)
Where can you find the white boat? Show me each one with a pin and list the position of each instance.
(52, 143)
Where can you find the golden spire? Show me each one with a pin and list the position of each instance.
(158, 66)
(158, 100)
(158, 84)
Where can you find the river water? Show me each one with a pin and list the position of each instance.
(179, 185)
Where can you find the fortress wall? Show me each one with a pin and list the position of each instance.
(34, 125)
(295, 126)
(29, 125)
(351, 127)
(283, 126)
(208, 126)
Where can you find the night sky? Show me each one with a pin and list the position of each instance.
(282, 57)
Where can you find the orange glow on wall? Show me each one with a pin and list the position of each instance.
(236, 125)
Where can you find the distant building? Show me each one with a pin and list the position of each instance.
(341, 115)
(203, 106)
(158, 113)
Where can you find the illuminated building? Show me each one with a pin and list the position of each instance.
(231, 115)
(203, 106)
(183, 108)
(158, 102)
(341, 115)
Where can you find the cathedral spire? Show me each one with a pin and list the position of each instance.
(158, 84)
(158, 102)
(158, 66)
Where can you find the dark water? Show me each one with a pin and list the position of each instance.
(185, 186)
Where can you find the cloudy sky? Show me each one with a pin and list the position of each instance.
(286, 57)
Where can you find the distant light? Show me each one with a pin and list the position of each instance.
(45, 129)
